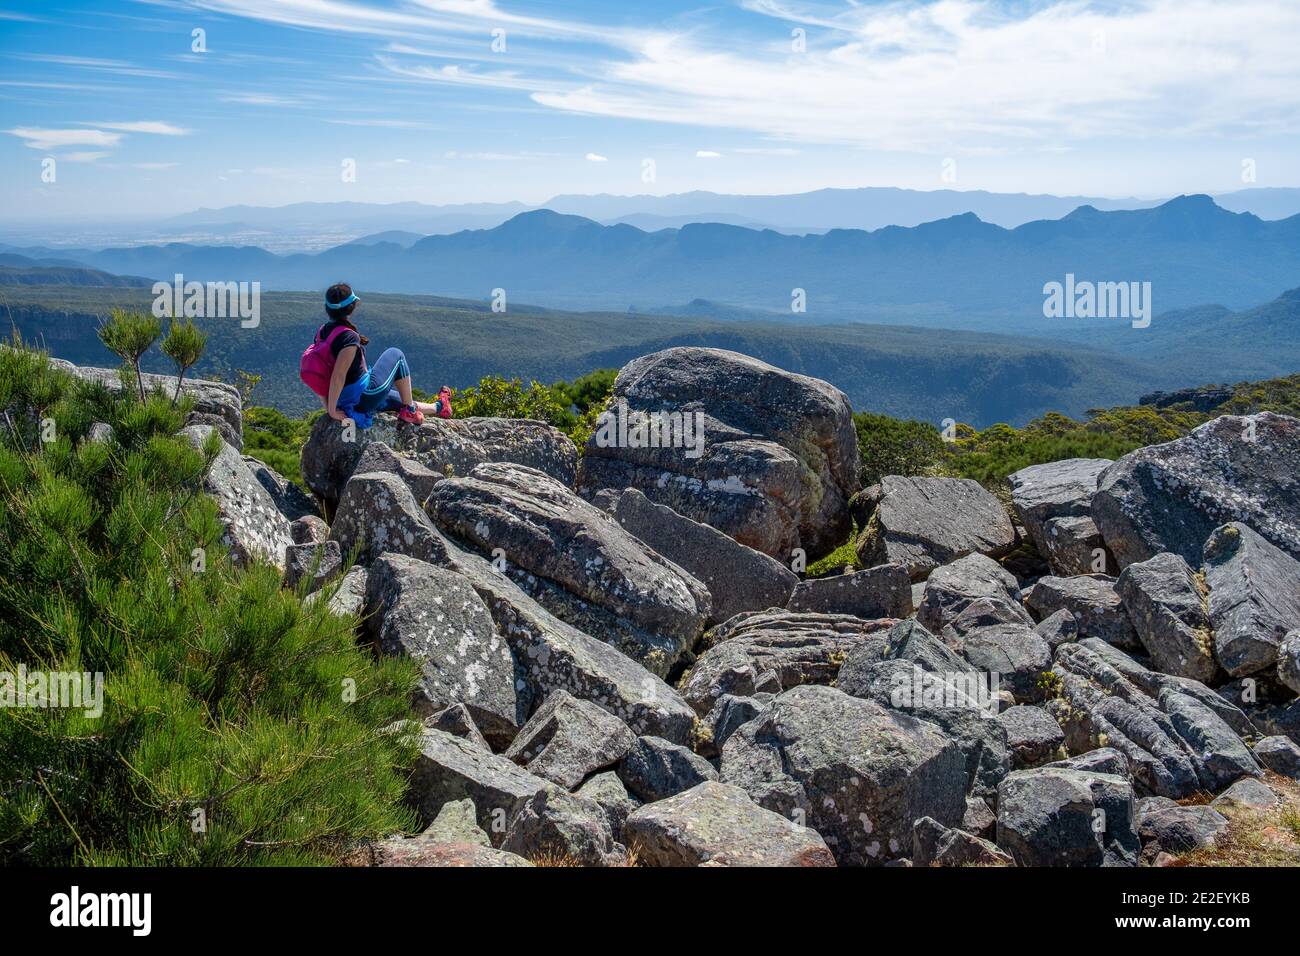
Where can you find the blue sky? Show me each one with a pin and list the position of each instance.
(1131, 97)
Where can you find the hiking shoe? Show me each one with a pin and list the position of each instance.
(443, 404)
(411, 415)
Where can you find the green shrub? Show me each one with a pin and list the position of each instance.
(240, 725)
(892, 446)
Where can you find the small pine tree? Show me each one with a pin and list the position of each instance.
(240, 724)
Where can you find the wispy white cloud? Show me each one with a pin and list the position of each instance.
(46, 139)
(707, 154)
(154, 127)
(118, 67)
(597, 158)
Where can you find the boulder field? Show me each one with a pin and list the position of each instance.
(623, 661)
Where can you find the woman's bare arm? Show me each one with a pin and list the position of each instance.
(341, 366)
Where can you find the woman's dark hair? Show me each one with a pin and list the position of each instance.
(337, 293)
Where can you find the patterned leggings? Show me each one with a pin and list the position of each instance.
(379, 394)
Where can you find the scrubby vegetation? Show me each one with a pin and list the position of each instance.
(239, 724)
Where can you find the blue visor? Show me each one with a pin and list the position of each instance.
(342, 305)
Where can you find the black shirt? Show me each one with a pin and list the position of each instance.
(343, 340)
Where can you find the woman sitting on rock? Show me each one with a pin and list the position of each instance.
(334, 367)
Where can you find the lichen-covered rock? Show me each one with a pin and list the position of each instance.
(1058, 628)
(1246, 794)
(859, 774)
(607, 792)
(1169, 611)
(1167, 827)
(1053, 501)
(349, 595)
(1095, 603)
(719, 824)
(1170, 497)
(953, 588)
(446, 447)
(254, 528)
(567, 740)
(1279, 754)
(655, 769)
(575, 561)
(774, 474)
(1175, 743)
(451, 768)
(376, 456)
(309, 529)
(726, 716)
(1012, 651)
(416, 851)
(290, 500)
(457, 822)
(1254, 598)
(1288, 661)
(883, 591)
(319, 562)
(1033, 735)
(555, 824)
(796, 648)
(1053, 816)
(379, 513)
(934, 844)
(922, 523)
(433, 616)
(738, 577)
(459, 722)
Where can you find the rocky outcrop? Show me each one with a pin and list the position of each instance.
(858, 774)
(951, 589)
(446, 447)
(922, 523)
(1053, 816)
(435, 617)
(1254, 598)
(774, 650)
(1095, 603)
(655, 769)
(1054, 502)
(567, 740)
(1033, 735)
(738, 577)
(253, 527)
(718, 824)
(555, 826)
(772, 463)
(1170, 497)
(576, 562)
(884, 591)
(934, 844)
(1167, 605)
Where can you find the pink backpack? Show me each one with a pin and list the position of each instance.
(317, 363)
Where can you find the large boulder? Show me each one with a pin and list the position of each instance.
(378, 513)
(253, 527)
(655, 769)
(934, 844)
(1288, 661)
(1167, 827)
(738, 577)
(567, 740)
(433, 616)
(554, 826)
(953, 588)
(575, 561)
(855, 772)
(290, 500)
(1170, 497)
(1167, 605)
(1054, 501)
(922, 523)
(451, 768)
(447, 447)
(1053, 816)
(794, 648)
(719, 824)
(884, 591)
(1095, 603)
(1175, 743)
(1033, 735)
(1254, 598)
(773, 462)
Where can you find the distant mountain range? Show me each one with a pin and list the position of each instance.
(21, 270)
(959, 272)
